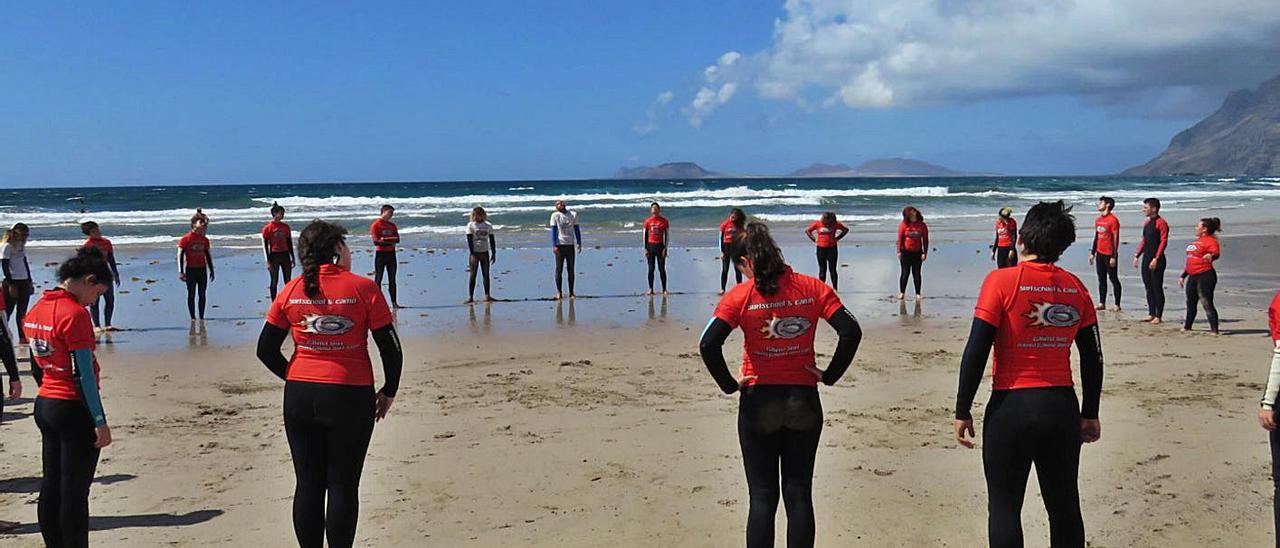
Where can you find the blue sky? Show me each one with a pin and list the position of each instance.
(183, 93)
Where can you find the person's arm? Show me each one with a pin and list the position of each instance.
(471, 242)
(266, 248)
(182, 261)
(1163, 227)
(269, 343)
(973, 363)
(846, 326)
(644, 236)
(577, 233)
(924, 239)
(902, 236)
(841, 231)
(996, 244)
(1115, 239)
(808, 232)
(7, 356)
(4, 265)
(711, 348)
(289, 241)
(1273, 380)
(115, 270)
(555, 233)
(208, 257)
(392, 358)
(493, 247)
(1093, 249)
(1013, 237)
(1089, 344)
(82, 363)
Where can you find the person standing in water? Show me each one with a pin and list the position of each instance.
(729, 229)
(330, 406)
(1105, 253)
(103, 245)
(386, 235)
(195, 266)
(566, 238)
(68, 411)
(1267, 412)
(277, 247)
(1031, 314)
(484, 252)
(1199, 277)
(825, 233)
(1005, 249)
(779, 412)
(913, 249)
(656, 240)
(17, 284)
(1155, 238)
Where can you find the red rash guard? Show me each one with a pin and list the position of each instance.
(913, 236)
(728, 231)
(826, 235)
(103, 245)
(1106, 238)
(1037, 309)
(1273, 319)
(331, 332)
(57, 325)
(778, 330)
(195, 246)
(655, 229)
(1196, 263)
(385, 235)
(1006, 229)
(277, 235)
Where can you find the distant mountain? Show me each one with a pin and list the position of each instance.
(903, 167)
(823, 170)
(1241, 138)
(670, 170)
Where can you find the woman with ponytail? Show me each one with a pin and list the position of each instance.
(330, 406)
(1199, 277)
(779, 413)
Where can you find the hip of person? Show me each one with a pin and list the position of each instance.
(280, 258)
(328, 402)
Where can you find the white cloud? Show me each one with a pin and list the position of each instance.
(649, 125)
(893, 53)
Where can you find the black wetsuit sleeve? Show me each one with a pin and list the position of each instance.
(7, 355)
(846, 325)
(471, 243)
(4, 264)
(111, 260)
(644, 237)
(392, 358)
(1089, 343)
(711, 347)
(269, 342)
(981, 336)
(493, 245)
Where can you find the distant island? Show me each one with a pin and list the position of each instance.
(670, 170)
(881, 167)
(1241, 138)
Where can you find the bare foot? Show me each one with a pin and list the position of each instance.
(721, 292)
(558, 296)
(468, 301)
(1100, 307)
(489, 298)
(1118, 309)
(572, 296)
(1148, 318)
(919, 296)
(649, 292)
(902, 296)
(664, 293)
(1155, 321)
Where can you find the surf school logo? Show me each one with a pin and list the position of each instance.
(41, 348)
(1102, 229)
(327, 324)
(789, 327)
(1192, 248)
(1053, 315)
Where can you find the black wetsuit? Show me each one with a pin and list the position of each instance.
(385, 261)
(108, 298)
(1153, 278)
(480, 259)
(69, 463)
(726, 262)
(564, 258)
(280, 263)
(653, 255)
(1200, 291)
(17, 293)
(828, 257)
(197, 284)
(10, 363)
(910, 262)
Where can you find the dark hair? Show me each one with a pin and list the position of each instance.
(1211, 225)
(317, 246)
(385, 207)
(1153, 202)
(741, 217)
(87, 227)
(907, 211)
(1047, 230)
(767, 265)
(1111, 202)
(276, 208)
(87, 261)
(651, 204)
(828, 218)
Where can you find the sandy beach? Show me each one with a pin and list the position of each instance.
(537, 423)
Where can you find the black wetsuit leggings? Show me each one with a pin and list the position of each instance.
(197, 284)
(726, 262)
(278, 263)
(385, 261)
(1102, 263)
(1006, 257)
(564, 258)
(329, 427)
(69, 461)
(108, 306)
(653, 254)
(16, 307)
(827, 259)
(1028, 426)
(910, 262)
(778, 429)
(479, 261)
(1275, 478)
(1153, 281)
(1200, 291)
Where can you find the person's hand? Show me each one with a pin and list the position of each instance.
(965, 433)
(993, 254)
(381, 404)
(1113, 262)
(924, 257)
(102, 436)
(1135, 262)
(212, 275)
(493, 259)
(817, 373)
(1090, 430)
(664, 253)
(579, 248)
(1153, 264)
(15, 389)
(899, 254)
(268, 267)
(1013, 254)
(746, 380)
(1091, 257)
(555, 250)
(118, 281)
(1208, 257)
(1182, 282)
(1267, 418)
(182, 276)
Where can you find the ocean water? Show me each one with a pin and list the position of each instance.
(434, 214)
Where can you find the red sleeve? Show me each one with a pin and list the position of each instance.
(816, 225)
(275, 313)
(1216, 249)
(1088, 316)
(730, 307)
(373, 231)
(828, 302)
(990, 307)
(1163, 227)
(1115, 235)
(902, 234)
(184, 241)
(379, 313)
(77, 331)
(1273, 317)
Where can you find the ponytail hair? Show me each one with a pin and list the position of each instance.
(318, 246)
(767, 265)
(276, 208)
(1212, 225)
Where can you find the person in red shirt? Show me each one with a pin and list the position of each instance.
(656, 238)
(95, 240)
(824, 233)
(913, 249)
(1032, 313)
(1155, 237)
(1004, 250)
(1199, 277)
(385, 237)
(779, 414)
(68, 410)
(195, 266)
(1267, 411)
(730, 228)
(277, 247)
(330, 406)
(1105, 252)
